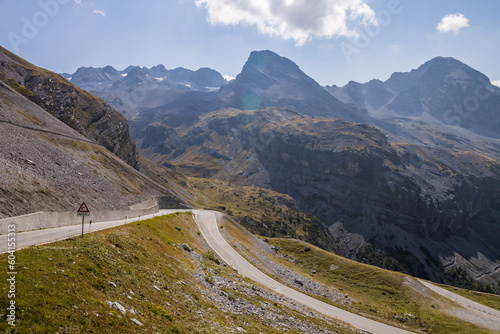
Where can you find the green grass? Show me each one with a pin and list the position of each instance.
(372, 291)
(64, 287)
(261, 211)
(20, 88)
(376, 291)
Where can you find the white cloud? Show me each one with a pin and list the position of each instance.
(78, 2)
(100, 12)
(496, 83)
(453, 22)
(299, 20)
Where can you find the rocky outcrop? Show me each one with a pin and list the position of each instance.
(79, 109)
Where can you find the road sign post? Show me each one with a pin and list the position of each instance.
(83, 211)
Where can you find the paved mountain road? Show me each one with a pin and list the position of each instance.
(39, 237)
(476, 313)
(207, 222)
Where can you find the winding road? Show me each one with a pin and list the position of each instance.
(207, 223)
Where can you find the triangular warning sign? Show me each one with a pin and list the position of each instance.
(83, 208)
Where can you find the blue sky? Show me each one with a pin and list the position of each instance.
(333, 41)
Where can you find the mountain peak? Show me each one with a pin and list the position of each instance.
(442, 61)
(441, 64)
(270, 80)
(445, 88)
(266, 61)
(109, 68)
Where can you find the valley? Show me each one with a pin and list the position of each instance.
(313, 186)
(392, 179)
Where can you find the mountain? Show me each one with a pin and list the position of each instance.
(419, 205)
(395, 187)
(137, 88)
(82, 111)
(266, 80)
(48, 166)
(269, 80)
(90, 78)
(443, 90)
(408, 188)
(58, 146)
(180, 96)
(100, 79)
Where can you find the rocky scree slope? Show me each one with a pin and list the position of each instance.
(48, 166)
(82, 111)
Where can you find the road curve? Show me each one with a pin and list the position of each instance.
(207, 222)
(480, 314)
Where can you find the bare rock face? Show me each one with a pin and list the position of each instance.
(82, 111)
(409, 203)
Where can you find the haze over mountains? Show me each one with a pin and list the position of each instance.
(399, 176)
(139, 87)
(442, 90)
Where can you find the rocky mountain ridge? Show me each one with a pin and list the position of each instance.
(99, 79)
(57, 147)
(137, 88)
(85, 113)
(443, 90)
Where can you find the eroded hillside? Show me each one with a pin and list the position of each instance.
(48, 166)
(80, 110)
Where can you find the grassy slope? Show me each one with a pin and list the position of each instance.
(375, 292)
(64, 286)
(261, 211)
